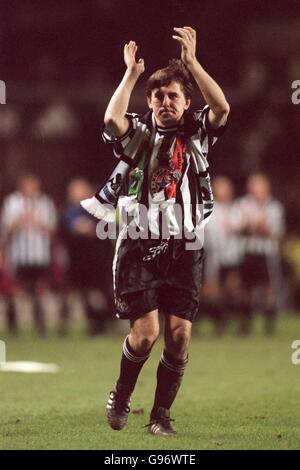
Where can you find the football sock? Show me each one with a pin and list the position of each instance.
(270, 314)
(11, 315)
(169, 376)
(131, 365)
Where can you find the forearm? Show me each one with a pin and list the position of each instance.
(47, 229)
(212, 93)
(118, 105)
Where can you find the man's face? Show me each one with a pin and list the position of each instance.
(223, 190)
(168, 104)
(30, 185)
(259, 187)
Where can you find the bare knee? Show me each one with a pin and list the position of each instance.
(144, 332)
(142, 342)
(177, 343)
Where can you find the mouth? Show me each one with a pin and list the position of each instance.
(168, 111)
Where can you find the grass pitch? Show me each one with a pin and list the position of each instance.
(238, 393)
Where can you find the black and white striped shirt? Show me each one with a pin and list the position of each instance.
(222, 244)
(193, 190)
(28, 243)
(247, 212)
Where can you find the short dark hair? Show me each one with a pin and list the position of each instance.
(176, 71)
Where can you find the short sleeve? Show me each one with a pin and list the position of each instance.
(52, 216)
(277, 219)
(119, 143)
(208, 135)
(8, 214)
(4, 220)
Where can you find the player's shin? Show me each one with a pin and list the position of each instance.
(169, 376)
(131, 365)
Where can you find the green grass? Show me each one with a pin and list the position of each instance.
(238, 393)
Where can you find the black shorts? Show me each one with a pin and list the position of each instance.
(157, 274)
(229, 271)
(30, 275)
(255, 271)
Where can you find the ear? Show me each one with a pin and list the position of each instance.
(187, 103)
(149, 102)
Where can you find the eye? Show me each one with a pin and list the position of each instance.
(173, 96)
(158, 95)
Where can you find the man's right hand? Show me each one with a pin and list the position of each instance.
(129, 58)
(114, 119)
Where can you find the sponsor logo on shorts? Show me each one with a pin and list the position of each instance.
(156, 250)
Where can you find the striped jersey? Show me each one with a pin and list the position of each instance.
(25, 226)
(223, 245)
(248, 212)
(170, 171)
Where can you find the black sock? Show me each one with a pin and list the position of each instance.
(131, 365)
(169, 376)
(38, 316)
(270, 314)
(11, 315)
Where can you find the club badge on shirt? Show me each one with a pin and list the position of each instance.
(164, 180)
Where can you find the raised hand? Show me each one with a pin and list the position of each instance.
(129, 58)
(187, 39)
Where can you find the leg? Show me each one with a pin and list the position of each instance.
(64, 312)
(177, 337)
(173, 361)
(144, 332)
(11, 315)
(269, 309)
(140, 307)
(37, 290)
(170, 372)
(246, 311)
(96, 310)
(136, 350)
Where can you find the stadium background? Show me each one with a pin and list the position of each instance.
(61, 62)
(70, 53)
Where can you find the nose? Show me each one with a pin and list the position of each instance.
(166, 101)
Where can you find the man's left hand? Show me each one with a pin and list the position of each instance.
(187, 39)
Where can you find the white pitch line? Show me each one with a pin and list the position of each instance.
(28, 367)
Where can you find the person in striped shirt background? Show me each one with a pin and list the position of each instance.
(259, 221)
(28, 224)
(222, 294)
(243, 255)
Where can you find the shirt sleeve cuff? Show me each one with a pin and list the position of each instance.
(208, 127)
(110, 139)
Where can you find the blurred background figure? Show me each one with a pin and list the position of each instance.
(260, 222)
(222, 291)
(28, 224)
(89, 258)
